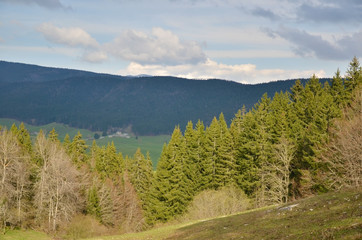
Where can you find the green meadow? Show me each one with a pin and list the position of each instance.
(127, 146)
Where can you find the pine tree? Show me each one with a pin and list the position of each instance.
(211, 155)
(226, 160)
(337, 90)
(296, 90)
(53, 136)
(354, 76)
(77, 149)
(66, 143)
(113, 162)
(191, 156)
(255, 148)
(202, 173)
(93, 203)
(172, 191)
(141, 176)
(24, 139)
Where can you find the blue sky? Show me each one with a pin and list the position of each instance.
(244, 41)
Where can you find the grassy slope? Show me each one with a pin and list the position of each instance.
(127, 146)
(327, 216)
(24, 235)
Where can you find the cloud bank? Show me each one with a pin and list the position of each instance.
(243, 73)
(158, 47)
(306, 44)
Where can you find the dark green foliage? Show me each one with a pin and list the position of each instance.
(172, 190)
(77, 149)
(106, 161)
(337, 90)
(141, 172)
(218, 149)
(354, 75)
(93, 203)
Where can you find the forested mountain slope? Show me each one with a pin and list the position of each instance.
(151, 105)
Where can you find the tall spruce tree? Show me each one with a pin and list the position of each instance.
(354, 75)
(191, 156)
(141, 176)
(172, 190)
(77, 149)
(337, 90)
(202, 176)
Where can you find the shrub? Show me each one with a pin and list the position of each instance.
(213, 203)
(84, 226)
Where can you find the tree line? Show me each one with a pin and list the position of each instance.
(294, 144)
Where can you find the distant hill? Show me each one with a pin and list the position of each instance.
(149, 105)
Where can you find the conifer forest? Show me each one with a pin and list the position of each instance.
(294, 144)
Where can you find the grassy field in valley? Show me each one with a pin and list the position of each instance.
(127, 146)
(61, 129)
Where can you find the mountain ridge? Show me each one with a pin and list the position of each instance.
(151, 105)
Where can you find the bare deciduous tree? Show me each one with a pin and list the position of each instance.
(344, 155)
(14, 175)
(57, 189)
(276, 173)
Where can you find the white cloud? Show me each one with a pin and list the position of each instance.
(160, 47)
(94, 56)
(243, 73)
(72, 36)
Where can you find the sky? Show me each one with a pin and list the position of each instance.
(238, 40)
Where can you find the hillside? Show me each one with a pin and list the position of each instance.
(335, 215)
(149, 105)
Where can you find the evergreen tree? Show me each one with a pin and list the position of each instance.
(14, 129)
(24, 139)
(255, 148)
(219, 153)
(172, 191)
(114, 162)
(77, 149)
(53, 136)
(296, 90)
(191, 156)
(211, 155)
(93, 203)
(141, 176)
(354, 76)
(66, 143)
(226, 160)
(337, 90)
(202, 171)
